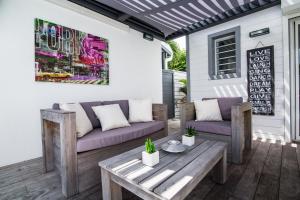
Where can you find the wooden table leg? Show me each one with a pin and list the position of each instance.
(220, 170)
(110, 189)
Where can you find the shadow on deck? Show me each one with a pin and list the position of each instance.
(271, 171)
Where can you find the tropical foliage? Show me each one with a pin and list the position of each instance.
(179, 57)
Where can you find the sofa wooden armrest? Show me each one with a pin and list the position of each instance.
(66, 140)
(241, 125)
(160, 112)
(187, 113)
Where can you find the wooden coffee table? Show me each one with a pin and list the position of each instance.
(174, 177)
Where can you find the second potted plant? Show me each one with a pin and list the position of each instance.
(189, 137)
(150, 156)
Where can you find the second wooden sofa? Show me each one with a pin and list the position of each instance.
(235, 129)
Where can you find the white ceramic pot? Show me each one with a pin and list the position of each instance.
(150, 159)
(189, 141)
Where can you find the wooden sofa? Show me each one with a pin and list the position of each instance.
(237, 128)
(80, 171)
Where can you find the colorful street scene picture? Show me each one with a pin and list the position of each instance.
(66, 55)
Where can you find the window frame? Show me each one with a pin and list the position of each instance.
(217, 67)
(212, 66)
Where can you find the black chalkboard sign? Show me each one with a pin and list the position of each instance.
(260, 63)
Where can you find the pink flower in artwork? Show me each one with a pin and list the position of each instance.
(50, 54)
(93, 50)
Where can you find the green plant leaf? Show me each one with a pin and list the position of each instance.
(149, 146)
(190, 132)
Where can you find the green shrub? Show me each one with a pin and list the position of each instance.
(179, 57)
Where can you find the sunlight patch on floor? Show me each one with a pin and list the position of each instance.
(294, 145)
(268, 137)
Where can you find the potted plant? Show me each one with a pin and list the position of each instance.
(150, 156)
(189, 137)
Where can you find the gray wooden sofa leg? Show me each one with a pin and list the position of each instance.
(67, 161)
(47, 142)
(68, 156)
(241, 117)
(238, 135)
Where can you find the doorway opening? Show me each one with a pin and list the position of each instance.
(174, 76)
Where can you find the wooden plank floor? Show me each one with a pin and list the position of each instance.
(270, 171)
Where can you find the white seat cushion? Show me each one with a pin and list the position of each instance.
(140, 110)
(208, 110)
(83, 124)
(110, 116)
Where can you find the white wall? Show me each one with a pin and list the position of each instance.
(135, 72)
(201, 86)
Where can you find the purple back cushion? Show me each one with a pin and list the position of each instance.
(87, 106)
(225, 104)
(123, 104)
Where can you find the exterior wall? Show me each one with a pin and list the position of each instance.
(290, 6)
(201, 86)
(178, 96)
(135, 72)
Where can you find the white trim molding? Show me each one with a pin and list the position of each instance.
(289, 7)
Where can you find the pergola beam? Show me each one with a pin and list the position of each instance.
(165, 23)
(242, 14)
(122, 17)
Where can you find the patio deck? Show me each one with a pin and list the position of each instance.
(270, 171)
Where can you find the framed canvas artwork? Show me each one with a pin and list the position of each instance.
(66, 55)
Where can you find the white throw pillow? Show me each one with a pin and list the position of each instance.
(140, 110)
(208, 110)
(110, 116)
(83, 124)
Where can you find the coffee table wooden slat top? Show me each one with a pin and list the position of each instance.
(182, 181)
(165, 159)
(122, 158)
(151, 182)
(175, 175)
